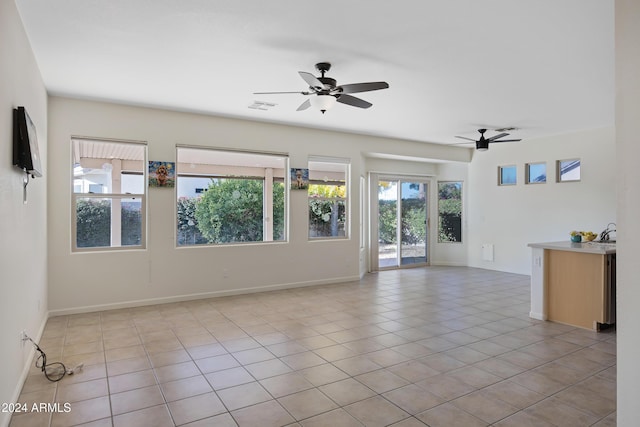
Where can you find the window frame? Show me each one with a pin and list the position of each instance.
(501, 183)
(461, 210)
(559, 170)
(75, 196)
(527, 173)
(219, 175)
(346, 163)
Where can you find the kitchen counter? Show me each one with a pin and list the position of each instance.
(595, 247)
(573, 283)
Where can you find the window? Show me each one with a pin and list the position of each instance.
(449, 212)
(328, 213)
(506, 175)
(109, 188)
(230, 196)
(568, 170)
(363, 191)
(536, 173)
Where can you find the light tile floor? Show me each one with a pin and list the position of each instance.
(435, 346)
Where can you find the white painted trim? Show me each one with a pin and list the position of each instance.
(204, 295)
(25, 369)
(538, 316)
(448, 264)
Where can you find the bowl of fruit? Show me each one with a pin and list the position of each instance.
(589, 235)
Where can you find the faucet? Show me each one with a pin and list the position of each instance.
(604, 236)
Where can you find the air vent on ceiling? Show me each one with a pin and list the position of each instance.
(261, 105)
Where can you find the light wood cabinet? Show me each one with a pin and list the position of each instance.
(574, 283)
(577, 290)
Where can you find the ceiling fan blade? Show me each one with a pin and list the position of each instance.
(362, 87)
(468, 139)
(311, 80)
(306, 104)
(279, 93)
(500, 135)
(506, 140)
(353, 101)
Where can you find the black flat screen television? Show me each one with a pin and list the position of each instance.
(25, 143)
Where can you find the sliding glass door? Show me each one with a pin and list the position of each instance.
(402, 222)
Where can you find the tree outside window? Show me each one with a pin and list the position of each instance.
(327, 193)
(108, 194)
(229, 197)
(449, 212)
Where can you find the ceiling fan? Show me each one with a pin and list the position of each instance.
(325, 92)
(482, 144)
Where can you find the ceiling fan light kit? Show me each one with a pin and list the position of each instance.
(325, 92)
(323, 102)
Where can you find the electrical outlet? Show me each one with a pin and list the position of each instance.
(23, 336)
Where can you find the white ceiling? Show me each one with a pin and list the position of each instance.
(544, 66)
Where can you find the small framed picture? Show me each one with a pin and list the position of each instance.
(162, 174)
(299, 179)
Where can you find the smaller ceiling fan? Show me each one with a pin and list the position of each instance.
(482, 144)
(325, 92)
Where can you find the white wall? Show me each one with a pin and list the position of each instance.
(628, 180)
(89, 281)
(23, 228)
(510, 217)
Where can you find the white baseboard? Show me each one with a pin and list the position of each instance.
(448, 264)
(538, 316)
(204, 295)
(6, 417)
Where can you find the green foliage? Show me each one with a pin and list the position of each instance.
(449, 190)
(327, 190)
(327, 210)
(93, 226)
(188, 231)
(231, 210)
(388, 221)
(278, 211)
(450, 207)
(131, 223)
(414, 217)
(449, 228)
(326, 217)
(450, 212)
(93, 223)
(413, 227)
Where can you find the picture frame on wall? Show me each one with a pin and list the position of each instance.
(299, 179)
(162, 174)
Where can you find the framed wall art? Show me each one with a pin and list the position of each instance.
(299, 179)
(162, 174)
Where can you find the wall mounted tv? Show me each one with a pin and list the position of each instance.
(25, 143)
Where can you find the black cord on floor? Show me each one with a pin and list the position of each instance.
(53, 371)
